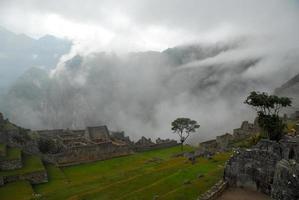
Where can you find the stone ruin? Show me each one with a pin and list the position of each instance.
(69, 147)
(80, 146)
(246, 129)
(295, 115)
(269, 167)
(223, 142)
(95, 143)
(145, 144)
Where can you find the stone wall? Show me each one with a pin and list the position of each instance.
(215, 191)
(286, 181)
(266, 168)
(140, 148)
(11, 164)
(33, 178)
(253, 169)
(88, 153)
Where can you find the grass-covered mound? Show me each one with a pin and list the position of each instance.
(141, 176)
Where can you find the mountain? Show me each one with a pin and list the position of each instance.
(139, 93)
(19, 52)
(290, 89)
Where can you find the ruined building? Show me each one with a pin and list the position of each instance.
(269, 167)
(68, 147)
(79, 146)
(224, 142)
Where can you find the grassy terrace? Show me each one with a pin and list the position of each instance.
(17, 190)
(2, 149)
(12, 154)
(30, 164)
(140, 176)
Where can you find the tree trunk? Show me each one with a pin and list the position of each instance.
(182, 146)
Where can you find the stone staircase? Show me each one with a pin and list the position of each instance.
(16, 165)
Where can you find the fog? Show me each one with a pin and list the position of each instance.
(149, 62)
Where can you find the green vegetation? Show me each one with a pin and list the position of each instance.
(12, 154)
(247, 142)
(183, 127)
(268, 108)
(2, 149)
(17, 190)
(290, 124)
(145, 175)
(30, 164)
(140, 176)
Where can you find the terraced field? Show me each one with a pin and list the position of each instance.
(149, 175)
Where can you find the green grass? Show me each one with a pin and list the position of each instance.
(18, 190)
(139, 176)
(30, 164)
(12, 154)
(2, 149)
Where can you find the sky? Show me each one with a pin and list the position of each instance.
(256, 44)
(134, 25)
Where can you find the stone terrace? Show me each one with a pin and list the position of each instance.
(14, 166)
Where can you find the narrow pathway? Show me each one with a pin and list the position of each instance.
(242, 194)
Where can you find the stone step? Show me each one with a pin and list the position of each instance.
(32, 170)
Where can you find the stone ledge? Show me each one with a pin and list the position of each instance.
(11, 164)
(215, 191)
(34, 177)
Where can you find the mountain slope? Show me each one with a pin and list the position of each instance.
(20, 52)
(290, 89)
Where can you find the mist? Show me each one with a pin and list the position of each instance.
(197, 59)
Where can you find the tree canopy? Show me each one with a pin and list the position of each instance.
(268, 108)
(184, 127)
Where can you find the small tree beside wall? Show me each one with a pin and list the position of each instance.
(183, 127)
(268, 108)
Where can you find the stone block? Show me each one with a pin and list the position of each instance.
(286, 181)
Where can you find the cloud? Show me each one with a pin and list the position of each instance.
(222, 51)
(134, 25)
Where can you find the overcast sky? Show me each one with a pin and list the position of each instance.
(132, 25)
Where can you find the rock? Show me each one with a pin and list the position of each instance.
(200, 175)
(270, 167)
(286, 181)
(187, 182)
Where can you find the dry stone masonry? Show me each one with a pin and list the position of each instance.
(269, 167)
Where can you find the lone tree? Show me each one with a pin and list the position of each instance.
(183, 127)
(268, 108)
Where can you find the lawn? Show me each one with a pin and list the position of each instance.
(18, 190)
(147, 175)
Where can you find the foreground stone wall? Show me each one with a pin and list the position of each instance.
(286, 181)
(253, 169)
(11, 164)
(269, 167)
(33, 178)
